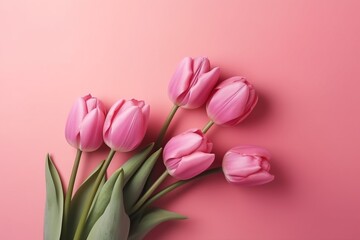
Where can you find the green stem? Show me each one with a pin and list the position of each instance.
(70, 190)
(149, 192)
(84, 214)
(208, 126)
(164, 128)
(172, 187)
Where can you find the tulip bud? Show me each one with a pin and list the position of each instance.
(125, 125)
(192, 82)
(188, 154)
(247, 165)
(232, 101)
(84, 124)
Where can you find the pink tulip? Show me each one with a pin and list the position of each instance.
(85, 123)
(125, 125)
(188, 154)
(247, 165)
(193, 82)
(232, 101)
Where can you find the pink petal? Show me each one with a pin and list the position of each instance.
(239, 165)
(265, 165)
(146, 113)
(72, 128)
(201, 65)
(228, 103)
(182, 145)
(91, 104)
(111, 114)
(127, 130)
(200, 92)
(180, 81)
(193, 164)
(252, 150)
(253, 99)
(91, 131)
(229, 81)
(259, 178)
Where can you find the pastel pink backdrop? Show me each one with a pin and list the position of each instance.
(302, 57)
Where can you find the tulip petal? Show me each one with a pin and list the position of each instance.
(91, 104)
(201, 65)
(252, 150)
(111, 115)
(228, 103)
(258, 178)
(251, 103)
(265, 165)
(180, 81)
(146, 112)
(205, 145)
(193, 164)
(230, 81)
(127, 130)
(182, 144)
(242, 166)
(200, 92)
(91, 130)
(76, 115)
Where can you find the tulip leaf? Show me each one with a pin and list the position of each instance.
(136, 184)
(103, 199)
(79, 199)
(54, 202)
(101, 202)
(150, 220)
(133, 163)
(114, 223)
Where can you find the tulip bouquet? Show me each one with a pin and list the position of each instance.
(119, 207)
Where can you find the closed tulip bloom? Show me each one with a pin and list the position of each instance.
(232, 101)
(193, 82)
(125, 125)
(85, 123)
(247, 165)
(188, 154)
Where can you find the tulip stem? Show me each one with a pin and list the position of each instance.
(172, 187)
(70, 191)
(148, 193)
(208, 126)
(164, 128)
(88, 203)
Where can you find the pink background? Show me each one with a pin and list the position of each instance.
(302, 57)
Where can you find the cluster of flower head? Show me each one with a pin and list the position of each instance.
(188, 154)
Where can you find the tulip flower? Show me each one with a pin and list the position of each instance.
(125, 125)
(85, 123)
(247, 165)
(188, 154)
(83, 131)
(231, 102)
(192, 82)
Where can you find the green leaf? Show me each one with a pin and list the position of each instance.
(136, 184)
(133, 163)
(79, 199)
(101, 202)
(54, 202)
(103, 199)
(150, 220)
(114, 223)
